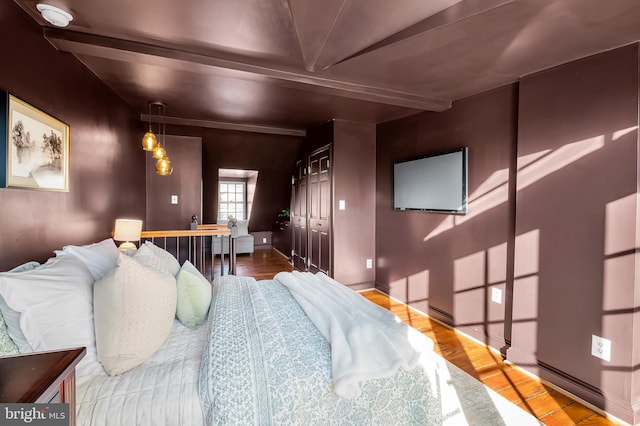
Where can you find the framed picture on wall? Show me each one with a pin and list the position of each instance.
(36, 154)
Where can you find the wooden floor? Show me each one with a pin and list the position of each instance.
(548, 405)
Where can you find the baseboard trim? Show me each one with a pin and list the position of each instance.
(360, 286)
(587, 394)
(572, 387)
(282, 254)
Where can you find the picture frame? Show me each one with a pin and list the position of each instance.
(35, 147)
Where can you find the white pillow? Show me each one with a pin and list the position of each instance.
(194, 296)
(157, 258)
(100, 257)
(49, 307)
(134, 308)
(243, 227)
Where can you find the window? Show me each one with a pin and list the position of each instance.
(232, 200)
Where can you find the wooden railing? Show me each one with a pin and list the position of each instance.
(232, 242)
(192, 245)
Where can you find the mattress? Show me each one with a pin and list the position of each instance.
(161, 391)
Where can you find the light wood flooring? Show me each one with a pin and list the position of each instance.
(547, 404)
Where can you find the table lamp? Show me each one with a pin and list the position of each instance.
(127, 230)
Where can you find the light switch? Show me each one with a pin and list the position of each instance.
(342, 204)
(174, 199)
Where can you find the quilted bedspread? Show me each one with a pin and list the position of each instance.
(163, 391)
(266, 363)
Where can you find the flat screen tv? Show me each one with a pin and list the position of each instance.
(434, 183)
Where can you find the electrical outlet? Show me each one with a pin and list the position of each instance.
(369, 263)
(496, 295)
(601, 347)
(174, 199)
(264, 240)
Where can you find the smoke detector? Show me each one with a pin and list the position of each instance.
(53, 15)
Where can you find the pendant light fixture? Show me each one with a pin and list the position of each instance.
(149, 141)
(163, 165)
(157, 145)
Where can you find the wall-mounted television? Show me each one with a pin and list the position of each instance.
(433, 183)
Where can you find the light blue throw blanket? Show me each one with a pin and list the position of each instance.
(266, 363)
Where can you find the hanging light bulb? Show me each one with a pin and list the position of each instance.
(149, 140)
(163, 166)
(158, 152)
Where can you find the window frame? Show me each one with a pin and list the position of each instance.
(232, 211)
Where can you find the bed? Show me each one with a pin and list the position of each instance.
(259, 352)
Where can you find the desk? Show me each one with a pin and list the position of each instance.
(41, 377)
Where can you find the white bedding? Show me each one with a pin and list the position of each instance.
(161, 391)
(350, 323)
(267, 364)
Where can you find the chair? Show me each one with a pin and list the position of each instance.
(244, 240)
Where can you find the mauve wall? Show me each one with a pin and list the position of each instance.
(185, 154)
(439, 263)
(576, 227)
(106, 165)
(354, 181)
(273, 156)
(566, 250)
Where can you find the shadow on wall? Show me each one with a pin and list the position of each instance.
(479, 278)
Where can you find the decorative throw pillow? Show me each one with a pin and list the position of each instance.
(134, 308)
(100, 257)
(50, 307)
(243, 227)
(7, 346)
(26, 266)
(194, 296)
(157, 258)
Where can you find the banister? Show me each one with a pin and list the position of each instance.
(186, 233)
(194, 237)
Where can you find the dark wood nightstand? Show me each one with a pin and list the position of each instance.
(41, 377)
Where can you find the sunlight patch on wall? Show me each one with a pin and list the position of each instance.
(620, 217)
(398, 289)
(620, 276)
(497, 264)
(527, 253)
(469, 272)
(556, 160)
(620, 133)
(444, 226)
(413, 290)
(468, 309)
(494, 191)
(525, 160)
(418, 291)
(496, 180)
(474, 276)
(526, 292)
(524, 331)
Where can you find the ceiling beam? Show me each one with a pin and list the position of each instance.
(119, 49)
(456, 13)
(255, 128)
